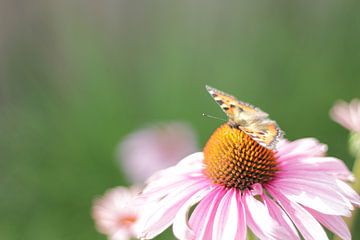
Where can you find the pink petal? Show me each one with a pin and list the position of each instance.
(194, 159)
(120, 235)
(199, 213)
(114, 205)
(260, 222)
(157, 219)
(306, 147)
(319, 164)
(241, 233)
(348, 192)
(317, 192)
(347, 114)
(279, 215)
(334, 223)
(202, 219)
(181, 228)
(354, 111)
(150, 149)
(186, 171)
(304, 221)
(191, 164)
(159, 189)
(226, 217)
(341, 114)
(257, 189)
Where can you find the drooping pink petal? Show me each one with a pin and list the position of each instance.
(157, 219)
(200, 211)
(242, 224)
(181, 228)
(280, 216)
(226, 217)
(202, 219)
(348, 192)
(260, 222)
(329, 165)
(334, 223)
(306, 147)
(304, 221)
(318, 192)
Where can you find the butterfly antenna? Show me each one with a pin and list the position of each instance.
(209, 116)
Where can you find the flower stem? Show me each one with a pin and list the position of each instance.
(251, 236)
(356, 172)
(356, 186)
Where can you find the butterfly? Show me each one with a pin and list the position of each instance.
(251, 120)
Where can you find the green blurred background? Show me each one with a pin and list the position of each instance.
(76, 76)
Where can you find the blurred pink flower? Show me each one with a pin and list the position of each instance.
(114, 215)
(150, 149)
(347, 114)
(237, 183)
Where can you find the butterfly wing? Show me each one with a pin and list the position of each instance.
(267, 133)
(237, 111)
(230, 105)
(252, 120)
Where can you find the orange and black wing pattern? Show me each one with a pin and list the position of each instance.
(248, 118)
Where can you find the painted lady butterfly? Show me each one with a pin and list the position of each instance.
(248, 118)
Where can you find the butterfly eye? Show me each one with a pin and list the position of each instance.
(233, 105)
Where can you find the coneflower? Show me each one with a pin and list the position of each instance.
(237, 184)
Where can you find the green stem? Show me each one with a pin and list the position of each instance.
(251, 235)
(356, 172)
(356, 186)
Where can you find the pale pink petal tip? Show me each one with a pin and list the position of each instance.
(347, 114)
(334, 223)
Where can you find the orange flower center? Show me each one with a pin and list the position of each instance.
(127, 221)
(235, 160)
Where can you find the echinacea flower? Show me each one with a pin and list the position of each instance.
(156, 147)
(347, 114)
(236, 185)
(114, 214)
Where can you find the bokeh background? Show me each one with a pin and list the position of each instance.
(77, 76)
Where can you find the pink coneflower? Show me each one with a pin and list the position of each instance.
(156, 147)
(347, 114)
(237, 185)
(115, 215)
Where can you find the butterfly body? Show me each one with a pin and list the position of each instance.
(248, 118)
